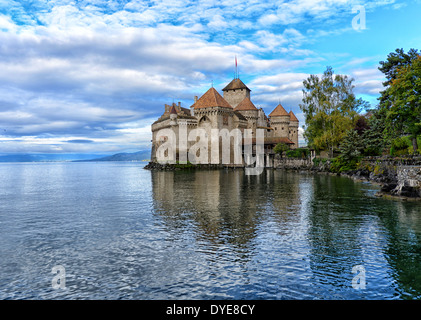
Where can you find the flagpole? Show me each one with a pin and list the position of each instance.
(236, 71)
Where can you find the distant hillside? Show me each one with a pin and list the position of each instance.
(46, 157)
(136, 156)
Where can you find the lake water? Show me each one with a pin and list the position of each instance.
(121, 232)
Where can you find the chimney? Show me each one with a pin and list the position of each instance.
(192, 108)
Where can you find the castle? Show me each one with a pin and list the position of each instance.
(233, 110)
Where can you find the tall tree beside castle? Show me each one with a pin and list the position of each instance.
(330, 109)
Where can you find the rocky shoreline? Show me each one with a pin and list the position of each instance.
(180, 166)
(390, 186)
(398, 178)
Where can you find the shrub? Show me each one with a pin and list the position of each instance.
(298, 153)
(339, 164)
(316, 161)
(411, 148)
(280, 148)
(400, 146)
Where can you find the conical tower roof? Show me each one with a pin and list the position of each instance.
(236, 84)
(173, 110)
(211, 99)
(245, 105)
(292, 116)
(279, 111)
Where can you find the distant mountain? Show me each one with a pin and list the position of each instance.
(136, 156)
(46, 157)
(18, 158)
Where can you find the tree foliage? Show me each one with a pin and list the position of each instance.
(280, 148)
(399, 102)
(330, 109)
(373, 140)
(394, 62)
(351, 147)
(298, 153)
(361, 125)
(404, 114)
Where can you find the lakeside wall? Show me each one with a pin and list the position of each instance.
(400, 177)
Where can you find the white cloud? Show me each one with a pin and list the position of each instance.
(284, 88)
(6, 24)
(218, 23)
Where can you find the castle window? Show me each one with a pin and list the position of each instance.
(225, 120)
(204, 119)
(282, 128)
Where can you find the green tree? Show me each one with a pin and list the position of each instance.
(404, 114)
(373, 139)
(280, 148)
(330, 109)
(351, 146)
(390, 68)
(361, 125)
(394, 62)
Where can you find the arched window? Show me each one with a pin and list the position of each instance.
(204, 119)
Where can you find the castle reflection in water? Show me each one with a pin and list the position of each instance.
(220, 201)
(317, 227)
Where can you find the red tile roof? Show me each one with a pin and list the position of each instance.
(293, 117)
(272, 140)
(279, 111)
(211, 99)
(172, 110)
(236, 84)
(245, 105)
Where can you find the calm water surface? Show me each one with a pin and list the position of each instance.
(122, 232)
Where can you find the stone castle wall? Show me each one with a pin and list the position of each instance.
(280, 126)
(293, 133)
(234, 97)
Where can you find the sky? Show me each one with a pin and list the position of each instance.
(92, 76)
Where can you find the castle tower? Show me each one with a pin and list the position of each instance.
(212, 111)
(293, 129)
(173, 116)
(235, 92)
(249, 111)
(279, 121)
